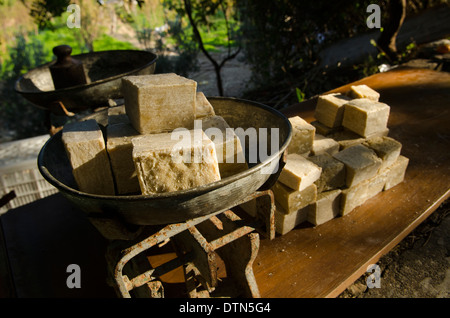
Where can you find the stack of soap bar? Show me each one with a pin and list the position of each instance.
(356, 156)
(330, 109)
(365, 117)
(230, 154)
(203, 107)
(299, 172)
(364, 91)
(86, 150)
(333, 174)
(325, 208)
(361, 163)
(324, 144)
(166, 165)
(120, 151)
(302, 136)
(159, 102)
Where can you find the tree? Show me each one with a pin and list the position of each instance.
(44, 10)
(199, 13)
(387, 40)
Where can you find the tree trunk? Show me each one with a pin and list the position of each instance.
(387, 40)
(217, 66)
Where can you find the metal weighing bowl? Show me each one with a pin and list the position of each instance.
(104, 71)
(180, 206)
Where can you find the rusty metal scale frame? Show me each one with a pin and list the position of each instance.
(197, 243)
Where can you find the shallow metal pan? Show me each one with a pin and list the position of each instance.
(179, 206)
(104, 71)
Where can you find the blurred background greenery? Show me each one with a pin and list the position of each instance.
(280, 40)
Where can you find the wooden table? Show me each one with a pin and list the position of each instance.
(41, 239)
(323, 261)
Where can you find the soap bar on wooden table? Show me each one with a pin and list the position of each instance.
(333, 174)
(364, 91)
(324, 144)
(395, 174)
(365, 117)
(357, 195)
(302, 136)
(230, 154)
(387, 148)
(159, 102)
(120, 151)
(292, 200)
(325, 208)
(330, 109)
(346, 138)
(86, 150)
(324, 130)
(165, 164)
(286, 222)
(360, 162)
(299, 172)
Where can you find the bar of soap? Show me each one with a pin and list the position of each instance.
(365, 117)
(292, 200)
(395, 174)
(159, 102)
(120, 151)
(324, 130)
(86, 150)
(347, 138)
(326, 207)
(230, 154)
(117, 115)
(333, 174)
(322, 144)
(299, 172)
(203, 107)
(285, 222)
(302, 136)
(165, 163)
(387, 148)
(360, 162)
(353, 197)
(357, 195)
(330, 109)
(364, 91)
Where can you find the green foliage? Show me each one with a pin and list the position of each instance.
(16, 113)
(105, 42)
(283, 38)
(44, 10)
(185, 59)
(300, 95)
(30, 51)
